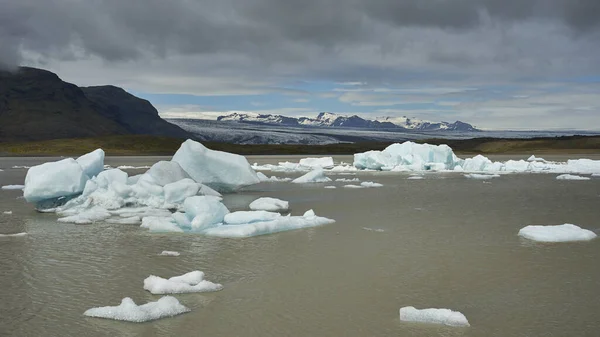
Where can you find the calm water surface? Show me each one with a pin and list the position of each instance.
(447, 242)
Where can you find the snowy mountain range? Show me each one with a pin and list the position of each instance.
(327, 119)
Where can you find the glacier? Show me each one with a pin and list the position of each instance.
(434, 316)
(166, 306)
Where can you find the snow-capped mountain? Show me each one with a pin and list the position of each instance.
(327, 119)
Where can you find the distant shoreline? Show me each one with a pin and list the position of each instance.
(142, 145)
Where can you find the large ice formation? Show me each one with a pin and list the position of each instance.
(221, 171)
(314, 176)
(269, 204)
(166, 306)
(435, 316)
(53, 180)
(557, 233)
(192, 282)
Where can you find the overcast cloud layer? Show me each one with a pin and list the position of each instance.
(495, 63)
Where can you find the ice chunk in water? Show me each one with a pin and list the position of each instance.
(106, 178)
(314, 176)
(13, 187)
(169, 253)
(7, 212)
(571, 177)
(534, 158)
(436, 316)
(273, 179)
(160, 224)
(205, 211)
(330, 187)
(557, 233)
(353, 186)
(219, 170)
(244, 217)
(166, 306)
(13, 235)
(87, 216)
(192, 282)
(370, 184)
(166, 172)
(416, 157)
(53, 180)
(92, 163)
(481, 176)
(269, 204)
(323, 162)
(178, 191)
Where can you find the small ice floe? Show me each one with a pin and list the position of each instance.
(379, 230)
(330, 187)
(88, 216)
(169, 253)
(314, 176)
(571, 177)
(534, 158)
(353, 186)
(435, 316)
(13, 235)
(166, 306)
(273, 179)
(347, 180)
(7, 212)
(192, 282)
(13, 187)
(557, 233)
(128, 167)
(370, 184)
(269, 204)
(323, 162)
(21, 167)
(481, 176)
(415, 177)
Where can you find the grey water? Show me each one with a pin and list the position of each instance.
(444, 241)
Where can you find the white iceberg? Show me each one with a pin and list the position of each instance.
(13, 187)
(571, 177)
(176, 192)
(415, 157)
(534, 158)
(435, 316)
(245, 217)
(557, 233)
(273, 179)
(192, 282)
(279, 224)
(53, 180)
(87, 216)
(92, 163)
(322, 162)
(7, 212)
(269, 204)
(370, 184)
(169, 253)
(415, 178)
(13, 235)
(481, 176)
(166, 306)
(314, 176)
(221, 171)
(166, 172)
(353, 186)
(204, 211)
(160, 224)
(330, 187)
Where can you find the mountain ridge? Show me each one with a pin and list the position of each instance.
(328, 119)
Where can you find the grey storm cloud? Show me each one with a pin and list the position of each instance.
(364, 33)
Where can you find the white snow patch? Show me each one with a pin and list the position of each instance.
(192, 282)
(557, 233)
(166, 306)
(435, 316)
(315, 176)
(269, 204)
(571, 177)
(13, 187)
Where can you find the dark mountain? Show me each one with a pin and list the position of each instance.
(36, 104)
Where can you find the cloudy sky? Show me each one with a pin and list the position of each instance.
(498, 64)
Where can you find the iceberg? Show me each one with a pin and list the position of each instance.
(160, 224)
(273, 179)
(279, 224)
(269, 204)
(169, 253)
(322, 162)
(245, 217)
(13, 235)
(204, 211)
(435, 316)
(353, 186)
(221, 171)
(571, 177)
(192, 282)
(314, 176)
(166, 306)
(370, 184)
(557, 233)
(87, 216)
(13, 187)
(92, 163)
(415, 157)
(534, 158)
(166, 172)
(53, 180)
(415, 178)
